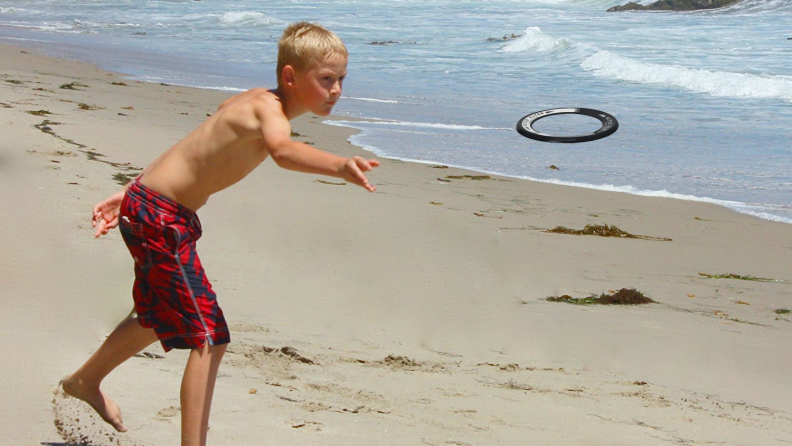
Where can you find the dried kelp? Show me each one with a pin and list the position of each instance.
(123, 179)
(72, 86)
(603, 231)
(469, 177)
(625, 296)
(738, 277)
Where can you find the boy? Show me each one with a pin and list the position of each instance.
(174, 301)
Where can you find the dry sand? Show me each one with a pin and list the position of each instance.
(422, 306)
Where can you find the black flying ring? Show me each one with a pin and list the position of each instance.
(609, 125)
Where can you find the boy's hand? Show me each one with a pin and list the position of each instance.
(105, 214)
(353, 169)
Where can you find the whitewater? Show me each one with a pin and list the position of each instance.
(703, 99)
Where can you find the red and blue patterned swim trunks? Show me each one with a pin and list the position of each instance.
(171, 292)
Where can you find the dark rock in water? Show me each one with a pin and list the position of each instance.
(674, 5)
(506, 37)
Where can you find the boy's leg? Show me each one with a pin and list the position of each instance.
(125, 341)
(196, 392)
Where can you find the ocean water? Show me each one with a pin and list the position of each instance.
(703, 99)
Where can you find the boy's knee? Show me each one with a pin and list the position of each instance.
(211, 349)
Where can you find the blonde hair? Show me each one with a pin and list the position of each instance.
(304, 45)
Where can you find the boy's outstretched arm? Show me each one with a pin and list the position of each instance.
(301, 157)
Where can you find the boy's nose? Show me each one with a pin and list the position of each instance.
(336, 89)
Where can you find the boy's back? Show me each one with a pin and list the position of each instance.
(220, 152)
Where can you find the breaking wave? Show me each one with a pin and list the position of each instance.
(758, 6)
(716, 83)
(613, 66)
(247, 18)
(533, 39)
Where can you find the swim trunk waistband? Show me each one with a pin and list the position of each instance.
(164, 204)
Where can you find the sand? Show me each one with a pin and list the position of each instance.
(419, 311)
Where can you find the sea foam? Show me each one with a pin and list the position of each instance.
(429, 125)
(716, 83)
(533, 39)
(247, 18)
(613, 66)
(756, 6)
(761, 211)
(387, 101)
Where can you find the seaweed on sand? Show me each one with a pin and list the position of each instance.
(603, 231)
(625, 296)
(123, 179)
(469, 177)
(72, 85)
(738, 277)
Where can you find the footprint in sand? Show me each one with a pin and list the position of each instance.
(78, 424)
(169, 412)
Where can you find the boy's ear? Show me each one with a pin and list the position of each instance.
(289, 75)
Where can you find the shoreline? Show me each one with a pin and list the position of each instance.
(741, 207)
(423, 305)
(733, 206)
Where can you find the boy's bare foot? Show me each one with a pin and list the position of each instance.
(103, 405)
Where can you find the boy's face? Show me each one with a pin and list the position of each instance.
(319, 87)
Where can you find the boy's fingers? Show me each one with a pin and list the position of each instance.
(363, 181)
(362, 164)
(366, 165)
(355, 169)
(103, 226)
(360, 177)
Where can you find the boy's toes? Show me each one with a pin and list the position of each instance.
(109, 412)
(118, 425)
(104, 406)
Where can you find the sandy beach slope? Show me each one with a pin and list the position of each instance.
(416, 315)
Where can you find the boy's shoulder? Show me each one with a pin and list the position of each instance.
(255, 98)
(252, 109)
